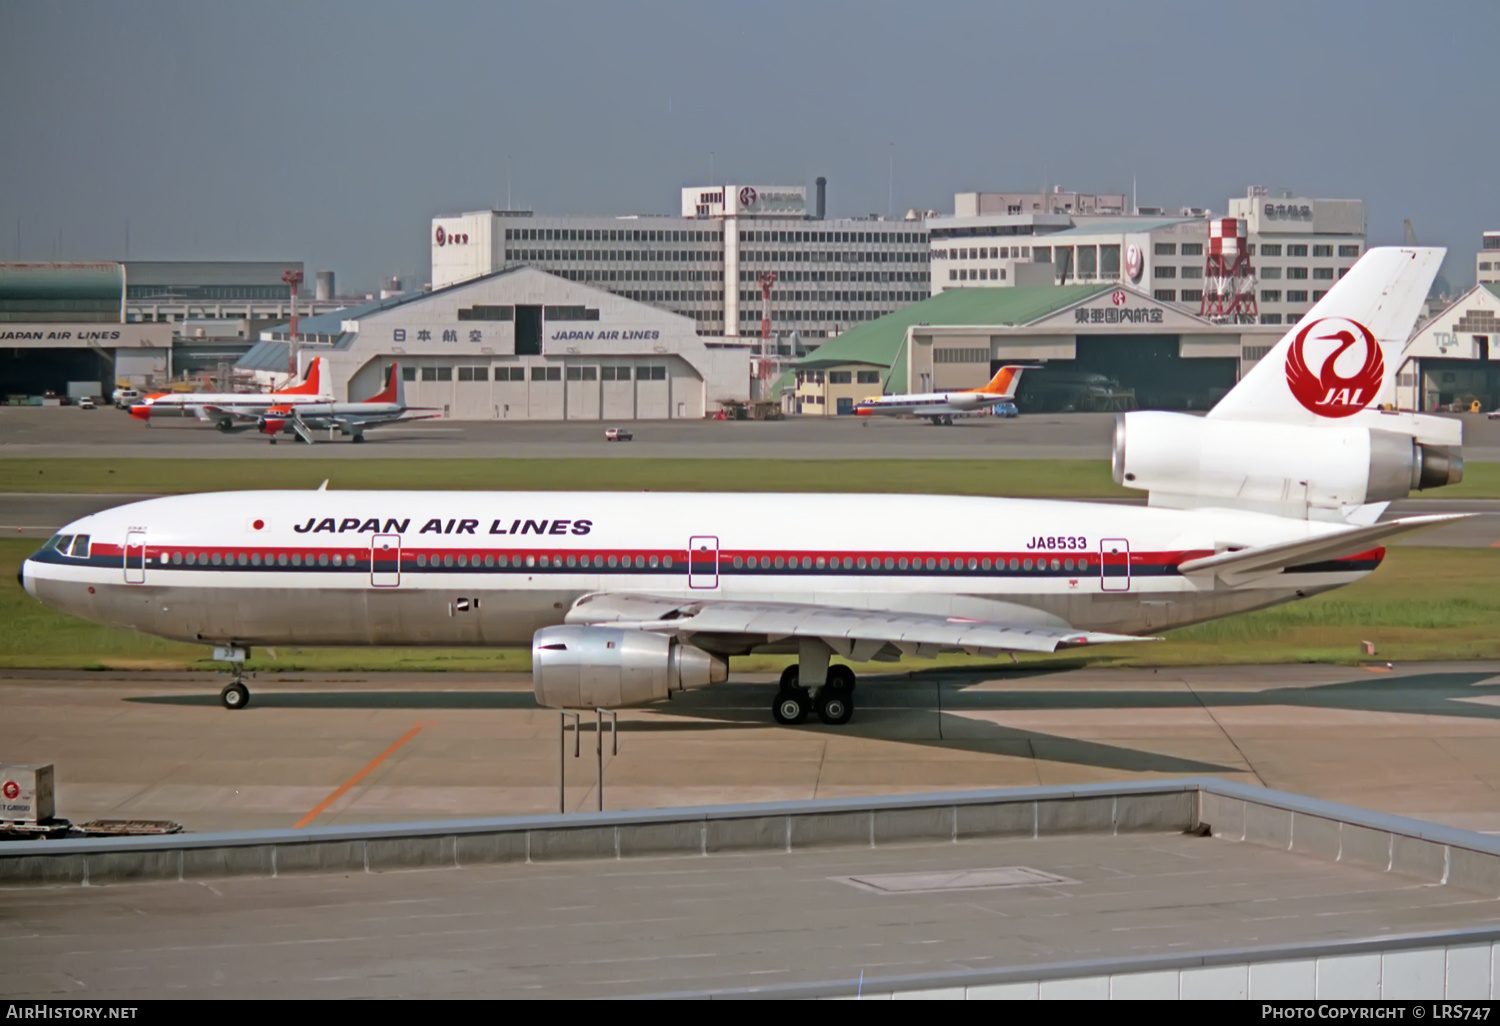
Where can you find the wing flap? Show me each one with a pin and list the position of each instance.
(846, 630)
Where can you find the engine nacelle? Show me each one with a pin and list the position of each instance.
(1265, 464)
(603, 667)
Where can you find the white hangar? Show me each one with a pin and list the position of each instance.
(521, 344)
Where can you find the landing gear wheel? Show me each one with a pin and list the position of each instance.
(789, 677)
(835, 707)
(791, 706)
(235, 696)
(841, 679)
(357, 439)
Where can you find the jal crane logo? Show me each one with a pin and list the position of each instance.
(1328, 392)
(747, 197)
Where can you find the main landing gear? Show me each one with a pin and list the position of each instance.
(833, 701)
(235, 695)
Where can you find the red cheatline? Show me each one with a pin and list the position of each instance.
(343, 788)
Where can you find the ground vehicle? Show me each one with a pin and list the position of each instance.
(86, 403)
(617, 435)
(124, 398)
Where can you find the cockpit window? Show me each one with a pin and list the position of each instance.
(62, 543)
(80, 547)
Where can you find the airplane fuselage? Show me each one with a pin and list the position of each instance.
(486, 568)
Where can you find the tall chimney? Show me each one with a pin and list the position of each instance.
(822, 197)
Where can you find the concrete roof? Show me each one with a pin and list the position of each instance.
(879, 343)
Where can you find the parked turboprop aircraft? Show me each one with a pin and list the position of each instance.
(942, 407)
(388, 406)
(224, 407)
(629, 597)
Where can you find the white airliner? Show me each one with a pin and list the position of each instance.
(224, 408)
(626, 598)
(388, 406)
(942, 407)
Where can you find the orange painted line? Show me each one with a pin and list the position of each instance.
(343, 788)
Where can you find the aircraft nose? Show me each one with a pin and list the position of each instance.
(141, 412)
(21, 577)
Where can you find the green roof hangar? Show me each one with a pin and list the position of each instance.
(1096, 347)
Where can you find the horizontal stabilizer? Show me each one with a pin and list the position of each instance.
(1272, 558)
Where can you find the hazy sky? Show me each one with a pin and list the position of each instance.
(333, 132)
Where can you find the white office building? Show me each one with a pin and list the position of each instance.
(706, 263)
(1298, 246)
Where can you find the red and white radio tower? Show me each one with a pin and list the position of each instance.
(1229, 280)
(767, 280)
(294, 282)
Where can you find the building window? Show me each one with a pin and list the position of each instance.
(1348, 251)
(1165, 295)
(1296, 295)
(1166, 249)
(943, 355)
(1270, 295)
(1297, 250)
(868, 377)
(1322, 251)
(1270, 318)
(952, 274)
(429, 373)
(1192, 249)
(652, 374)
(1192, 295)
(1298, 273)
(487, 313)
(510, 373)
(1256, 352)
(1270, 249)
(614, 373)
(408, 374)
(840, 377)
(571, 313)
(1163, 272)
(473, 374)
(1109, 261)
(546, 374)
(1270, 273)
(1323, 273)
(1192, 272)
(1319, 294)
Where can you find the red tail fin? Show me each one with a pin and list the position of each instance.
(313, 384)
(1004, 382)
(388, 393)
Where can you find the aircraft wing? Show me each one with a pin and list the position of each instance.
(1237, 564)
(859, 634)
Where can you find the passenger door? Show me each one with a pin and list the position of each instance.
(385, 561)
(135, 557)
(1114, 564)
(703, 561)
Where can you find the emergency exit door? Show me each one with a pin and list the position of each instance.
(703, 562)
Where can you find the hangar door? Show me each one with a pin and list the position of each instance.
(1124, 372)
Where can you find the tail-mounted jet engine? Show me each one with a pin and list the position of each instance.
(602, 667)
(1183, 459)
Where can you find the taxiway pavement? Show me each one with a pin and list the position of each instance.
(1419, 740)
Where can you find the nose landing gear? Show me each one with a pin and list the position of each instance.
(234, 695)
(833, 701)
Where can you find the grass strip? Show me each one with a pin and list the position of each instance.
(1427, 604)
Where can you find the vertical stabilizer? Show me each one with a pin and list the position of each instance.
(311, 385)
(1341, 357)
(394, 390)
(1005, 382)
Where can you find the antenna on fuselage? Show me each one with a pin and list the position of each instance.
(324, 486)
